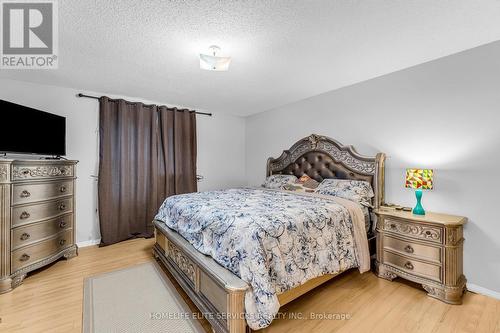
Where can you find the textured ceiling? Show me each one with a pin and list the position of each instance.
(282, 51)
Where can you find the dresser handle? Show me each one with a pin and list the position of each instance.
(25, 194)
(409, 249)
(24, 215)
(393, 226)
(63, 189)
(25, 236)
(62, 242)
(62, 224)
(24, 257)
(409, 265)
(62, 206)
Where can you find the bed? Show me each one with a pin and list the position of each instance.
(218, 287)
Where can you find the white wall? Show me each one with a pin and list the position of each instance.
(220, 138)
(444, 114)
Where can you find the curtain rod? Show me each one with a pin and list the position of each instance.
(95, 97)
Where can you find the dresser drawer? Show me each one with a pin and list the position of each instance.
(28, 172)
(22, 215)
(412, 266)
(31, 254)
(27, 193)
(414, 230)
(32, 233)
(411, 249)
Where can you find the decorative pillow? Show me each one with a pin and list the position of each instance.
(304, 178)
(303, 184)
(279, 181)
(307, 182)
(358, 191)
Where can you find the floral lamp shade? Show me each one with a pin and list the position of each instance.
(419, 179)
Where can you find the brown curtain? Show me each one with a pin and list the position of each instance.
(146, 154)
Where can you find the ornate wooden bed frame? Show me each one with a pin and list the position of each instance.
(217, 292)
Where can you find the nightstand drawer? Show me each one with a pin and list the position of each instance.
(411, 249)
(414, 230)
(414, 267)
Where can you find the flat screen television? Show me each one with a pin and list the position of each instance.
(29, 131)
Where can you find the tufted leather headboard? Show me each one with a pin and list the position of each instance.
(321, 157)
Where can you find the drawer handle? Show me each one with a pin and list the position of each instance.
(62, 242)
(393, 226)
(62, 206)
(409, 265)
(62, 224)
(25, 257)
(25, 194)
(24, 215)
(63, 189)
(409, 249)
(25, 236)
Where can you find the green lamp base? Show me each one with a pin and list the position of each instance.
(419, 210)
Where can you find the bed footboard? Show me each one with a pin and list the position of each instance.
(217, 292)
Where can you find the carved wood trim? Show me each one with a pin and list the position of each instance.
(4, 172)
(434, 291)
(17, 280)
(454, 236)
(45, 171)
(346, 155)
(4, 231)
(71, 252)
(429, 233)
(383, 273)
(204, 305)
(184, 264)
(448, 294)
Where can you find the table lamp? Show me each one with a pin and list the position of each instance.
(419, 179)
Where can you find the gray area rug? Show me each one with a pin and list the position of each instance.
(135, 299)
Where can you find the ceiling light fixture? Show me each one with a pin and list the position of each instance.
(213, 62)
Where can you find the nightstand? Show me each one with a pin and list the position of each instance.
(424, 249)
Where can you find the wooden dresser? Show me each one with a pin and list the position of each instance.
(36, 216)
(424, 249)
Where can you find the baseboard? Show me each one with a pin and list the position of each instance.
(89, 243)
(483, 291)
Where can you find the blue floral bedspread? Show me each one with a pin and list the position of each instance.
(273, 240)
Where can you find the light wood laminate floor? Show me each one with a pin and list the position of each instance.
(51, 301)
